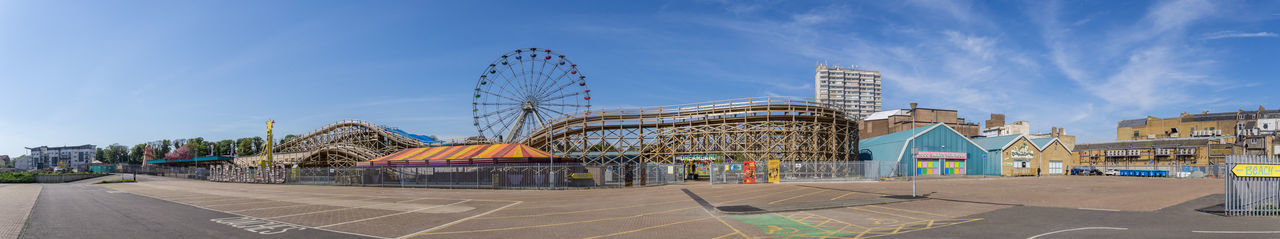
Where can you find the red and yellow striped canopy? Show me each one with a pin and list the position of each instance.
(482, 153)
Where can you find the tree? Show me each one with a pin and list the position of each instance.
(225, 147)
(600, 147)
(244, 146)
(257, 144)
(135, 153)
(100, 156)
(117, 153)
(287, 138)
(164, 148)
(196, 146)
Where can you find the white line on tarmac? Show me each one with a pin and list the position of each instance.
(346, 208)
(1099, 209)
(1238, 232)
(394, 214)
(460, 220)
(1077, 229)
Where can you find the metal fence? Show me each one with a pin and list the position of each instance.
(1175, 171)
(1256, 192)
(733, 173)
(496, 176)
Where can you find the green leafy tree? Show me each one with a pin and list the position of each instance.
(136, 153)
(287, 138)
(257, 144)
(117, 153)
(225, 147)
(600, 147)
(165, 148)
(244, 146)
(100, 155)
(197, 146)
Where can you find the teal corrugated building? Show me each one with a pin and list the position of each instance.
(941, 149)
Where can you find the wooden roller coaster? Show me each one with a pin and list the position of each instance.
(767, 128)
(340, 144)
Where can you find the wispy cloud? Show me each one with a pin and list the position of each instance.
(1141, 66)
(1236, 34)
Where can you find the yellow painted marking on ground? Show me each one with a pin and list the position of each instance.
(558, 224)
(652, 227)
(908, 210)
(582, 211)
(798, 196)
(931, 222)
(735, 230)
(841, 195)
(886, 213)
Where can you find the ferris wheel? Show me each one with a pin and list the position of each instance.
(524, 90)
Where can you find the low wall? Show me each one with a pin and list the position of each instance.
(62, 178)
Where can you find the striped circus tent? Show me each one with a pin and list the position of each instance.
(462, 154)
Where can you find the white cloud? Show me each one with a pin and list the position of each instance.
(1235, 34)
(1141, 66)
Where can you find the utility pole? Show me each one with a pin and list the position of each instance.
(913, 151)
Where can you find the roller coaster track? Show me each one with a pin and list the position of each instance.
(769, 128)
(339, 144)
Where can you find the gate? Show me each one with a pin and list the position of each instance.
(1252, 186)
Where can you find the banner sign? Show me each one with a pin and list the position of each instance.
(697, 157)
(940, 155)
(749, 172)
(774, 174)
(1256, 170)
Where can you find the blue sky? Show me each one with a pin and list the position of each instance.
(102, 72)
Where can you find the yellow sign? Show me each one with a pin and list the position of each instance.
(580, 176)
(1256, 170)
(774, 174)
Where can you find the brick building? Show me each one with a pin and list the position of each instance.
(893, 121)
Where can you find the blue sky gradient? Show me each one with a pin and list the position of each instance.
(102, 72)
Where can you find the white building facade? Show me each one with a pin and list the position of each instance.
(45, 157)
(1017, 127)
(857, 92)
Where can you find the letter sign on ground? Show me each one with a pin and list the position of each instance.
(1256, 170)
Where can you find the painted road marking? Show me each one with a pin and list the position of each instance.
(887, 213)
(908, 210)
(1099, 209)
(322, 229)
(394, 214)
(459, 220)
(1078, 229)
(258, 225)
(556, 224)
(652, 227)
(346, 208)
(798, 196)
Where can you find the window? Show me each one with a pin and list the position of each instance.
(1135, 134)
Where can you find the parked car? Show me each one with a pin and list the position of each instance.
(1111, 172)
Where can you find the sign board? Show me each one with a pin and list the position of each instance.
(1022, 153)
(697, 157)
(941, 155)
(671, 169)
(774, 174)
(1256, 170)
(749, 172)
(580, 176)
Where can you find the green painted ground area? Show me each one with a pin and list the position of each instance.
(781, 227)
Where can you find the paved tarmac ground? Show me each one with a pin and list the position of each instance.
(159, 207)
(85, 210)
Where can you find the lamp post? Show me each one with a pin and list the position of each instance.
(913, 152)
